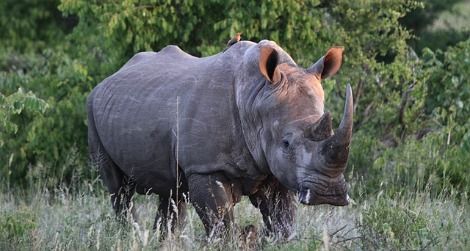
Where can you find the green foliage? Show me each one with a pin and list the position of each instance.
(448, 90)
(16, 104)
(16, 227)
(16, 111)
(390, 224)
(416, 137)
(438, 104)
(44, 136)
(23, 22)
(423, 21)
(420, 18)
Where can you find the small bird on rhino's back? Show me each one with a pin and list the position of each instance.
(235, 39)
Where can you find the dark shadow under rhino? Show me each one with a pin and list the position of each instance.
(245, 122)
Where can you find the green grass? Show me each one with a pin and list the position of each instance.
(84, 220)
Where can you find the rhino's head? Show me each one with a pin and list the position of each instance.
(300, 146)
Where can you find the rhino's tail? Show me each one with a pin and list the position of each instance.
(94, 143)
(97, 154)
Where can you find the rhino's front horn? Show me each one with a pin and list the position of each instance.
(335, 150)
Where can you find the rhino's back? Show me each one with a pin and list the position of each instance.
(140, 110)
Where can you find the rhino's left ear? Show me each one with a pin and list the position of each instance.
(329, 64)
(268, 61)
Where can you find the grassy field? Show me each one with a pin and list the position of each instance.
(82, 219)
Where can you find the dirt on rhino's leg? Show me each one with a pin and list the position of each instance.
(276, 204)
(213, 200)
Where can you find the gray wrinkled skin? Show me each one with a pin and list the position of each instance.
(229, 129)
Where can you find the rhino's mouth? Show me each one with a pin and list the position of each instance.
(311, 194)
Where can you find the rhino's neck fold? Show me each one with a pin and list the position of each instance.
(247, 95)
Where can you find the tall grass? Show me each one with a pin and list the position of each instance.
(411, 197)
(83, 220)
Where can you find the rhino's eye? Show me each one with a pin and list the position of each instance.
(285, 143)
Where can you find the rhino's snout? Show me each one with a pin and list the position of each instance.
(308, 196)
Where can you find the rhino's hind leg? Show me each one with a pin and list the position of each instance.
(169, 215)
(119, 185)
(212, 198)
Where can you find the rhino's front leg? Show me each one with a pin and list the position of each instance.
(276, 204)
(212, 198)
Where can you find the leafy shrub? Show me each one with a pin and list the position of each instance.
(429, 147)
(448, 90)
(16, 112)
(49, 137)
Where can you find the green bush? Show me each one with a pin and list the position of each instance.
(448, 90)
(17, 110)
(430, 145)
(44, 139)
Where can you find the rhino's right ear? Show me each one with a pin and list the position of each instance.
(329, 64)
(268, 61)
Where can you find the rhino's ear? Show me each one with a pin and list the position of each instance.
(329, 64)
(268, 61)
